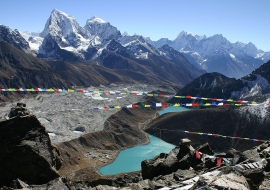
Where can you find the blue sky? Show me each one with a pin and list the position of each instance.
(237, 20)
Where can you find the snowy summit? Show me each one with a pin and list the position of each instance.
(95, 19)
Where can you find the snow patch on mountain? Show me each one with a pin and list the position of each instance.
(141, 55)
(95, 19)
(255, 87)
(33, 39)
(137, 44)
(261, 110)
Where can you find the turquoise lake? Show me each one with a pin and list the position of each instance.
(173, 109)
(129, 160)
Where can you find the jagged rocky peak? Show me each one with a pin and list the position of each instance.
(13, 37)
(62, 24)
(184, 33)
(189, 35)
(125, 34)
(98, 27)
(250, 49)
(134, 39)
(167, 47)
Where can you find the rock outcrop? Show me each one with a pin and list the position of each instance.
(26, 152)
(237, 170)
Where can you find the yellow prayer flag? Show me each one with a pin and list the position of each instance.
(204, 98)
(176, 105)
(70, 90)
(117, 107)
(147, 106)
(150, 94)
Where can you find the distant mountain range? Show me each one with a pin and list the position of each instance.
(216, 53)
(100, 43)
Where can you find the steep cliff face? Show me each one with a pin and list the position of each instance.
(27, 152)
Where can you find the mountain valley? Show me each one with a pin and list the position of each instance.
(93, 91)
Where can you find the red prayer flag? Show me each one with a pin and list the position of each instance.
(198, 156)
(80, 90)
(219, 161)
(165, 105)
(134, 106)
(195, 104)
(188, 96)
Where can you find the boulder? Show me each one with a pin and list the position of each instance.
(225, 180)
(27, 152)
(163, 164)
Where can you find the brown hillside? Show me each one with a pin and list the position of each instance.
(224, 121)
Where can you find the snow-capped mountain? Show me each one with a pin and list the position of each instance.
(63, 32)
(63, 38)
(104, 30)
(14, 38)
(208, 53)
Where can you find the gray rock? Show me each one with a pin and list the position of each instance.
(163, 164)
(27, 152)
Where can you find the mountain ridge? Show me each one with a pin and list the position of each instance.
(64, 39)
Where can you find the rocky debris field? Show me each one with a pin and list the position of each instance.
(70, 115)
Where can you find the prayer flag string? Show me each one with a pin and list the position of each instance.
(215, 135)
(121, 93)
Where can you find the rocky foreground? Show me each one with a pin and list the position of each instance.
(29, 161)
